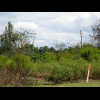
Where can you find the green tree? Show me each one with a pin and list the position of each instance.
(52, 49)
(28, 49)
(8, 40)
(43, 49)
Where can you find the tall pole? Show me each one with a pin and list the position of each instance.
(33, 40)
(56, 45)
(81, 37)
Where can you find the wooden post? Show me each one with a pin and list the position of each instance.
(88, 74)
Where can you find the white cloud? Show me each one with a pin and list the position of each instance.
(40, 43)
(85, 15)
(96, 14)
(61, 37)
(26, 25)
(64, 19)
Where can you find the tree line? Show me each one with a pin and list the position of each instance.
(12, 42)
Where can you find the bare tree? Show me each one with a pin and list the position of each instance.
(96, 32)
(61, 46)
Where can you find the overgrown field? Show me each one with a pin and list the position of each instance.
(56, 68)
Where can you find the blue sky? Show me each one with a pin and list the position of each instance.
(50, 26)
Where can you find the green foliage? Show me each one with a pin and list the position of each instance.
(8, 40)
(3, 60)
(11, 65)
(90, 53)
(27, 49)
(61, 73)
(62, 56)
(14, 70)
(79, 67)
(47, 57)
(88, 45)
(36, 57)
(43, 49)
(23, 62)
(95, 70)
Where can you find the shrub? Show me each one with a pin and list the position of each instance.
(9, 72)
(90, 53)
(47, 57)
(61, 73)
(3, 59)
(10, 64)
(18, 69)
(80, 68)
(95, 70)
(36, 57)
(62, 56)
(14, 71)
(23, 62)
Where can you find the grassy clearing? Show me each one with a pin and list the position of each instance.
(31, 82)
(80, 84)
(43, 83)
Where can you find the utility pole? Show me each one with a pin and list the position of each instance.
(33, 39)
(33, 36)
(81, 37)
(56, 44)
